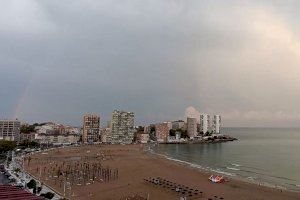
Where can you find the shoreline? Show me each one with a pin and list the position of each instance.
(136, 162)
(209, 171)
(209, 140)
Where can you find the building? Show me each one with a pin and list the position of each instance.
(142, 137)
(45, 129)
(9, 192)
(177, 136)
(191, 127)
(10, 130)
(147, 129)
(104, 133)
(204, 123)
(178, 124)
(216, 124)
(72, 130)
(209, 124)
(122, 127)
(162, 131)
(30, 137)
(58, 139)
(91, 128)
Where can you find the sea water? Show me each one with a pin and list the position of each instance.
(266, 156)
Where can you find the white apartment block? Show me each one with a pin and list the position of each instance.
(216, 124)
(9, 130)
(122, 127)
(57, 139)
(205, 123)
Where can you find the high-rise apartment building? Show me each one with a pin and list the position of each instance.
(162, 131)
(91, 128)
(122, 127)
(191, 127)
(205, 123)
(9, 130)
(216, 124)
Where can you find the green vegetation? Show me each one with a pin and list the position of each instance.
(6, 146)
(140, 129)
(182, 132)
(27, 128)
(31, 184)
(172, 132)
(48, 195)
(152, 129)
(152, 133)
(17, 170)
(27, 144)
(208, 133)
(39, 189)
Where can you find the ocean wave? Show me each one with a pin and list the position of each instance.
(256, 168)
(251, 178)
(236, 165)
(176, 160)
(232, 168)
(243, 172)
(222, 172)
(196, 166)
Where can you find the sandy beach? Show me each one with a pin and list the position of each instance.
(133, 164)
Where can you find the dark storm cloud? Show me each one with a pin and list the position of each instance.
(65, 58)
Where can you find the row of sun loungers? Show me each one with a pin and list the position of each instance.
(180, 189)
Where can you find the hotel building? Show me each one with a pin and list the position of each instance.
(91, 128)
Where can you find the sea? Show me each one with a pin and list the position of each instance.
(266, 156)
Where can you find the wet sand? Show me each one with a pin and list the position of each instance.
(134, 164)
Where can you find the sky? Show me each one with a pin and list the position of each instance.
(162, 60)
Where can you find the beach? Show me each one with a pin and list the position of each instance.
(133, 164)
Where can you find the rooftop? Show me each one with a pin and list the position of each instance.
(8, 192)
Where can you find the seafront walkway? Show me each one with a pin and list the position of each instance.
(16, 170)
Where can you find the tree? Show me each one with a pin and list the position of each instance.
(27, 128)
(7, 146)
(140, 129)
(31, 184)
(207, 133)
(48, 195)
(39, 189)
(28, 144)
(184, 134)
(152, 129)
(152, 133)
(172, 132)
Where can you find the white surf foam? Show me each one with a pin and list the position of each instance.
(232, 168)
(236, 165)
(222, 172)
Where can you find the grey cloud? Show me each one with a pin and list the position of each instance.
(155, 58)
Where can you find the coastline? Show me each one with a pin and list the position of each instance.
(135, 163)
(209, 171)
